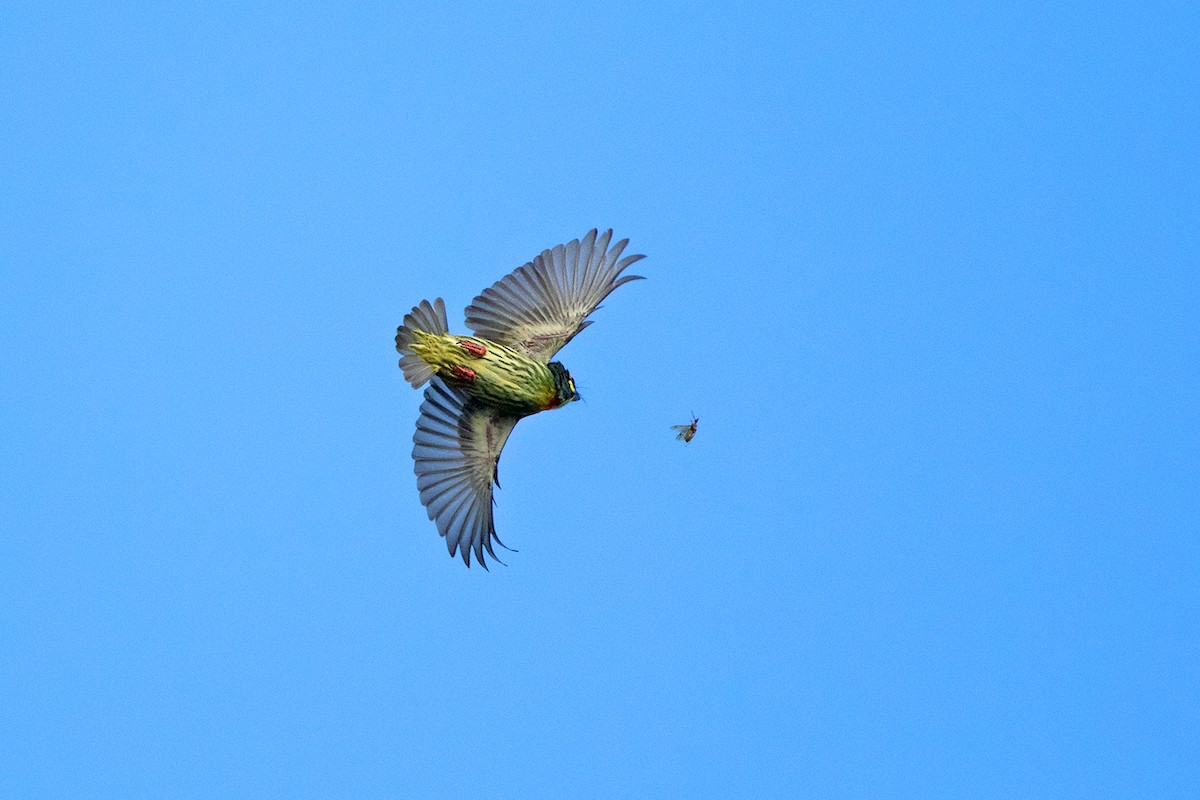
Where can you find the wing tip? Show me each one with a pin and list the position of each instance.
(464, 552)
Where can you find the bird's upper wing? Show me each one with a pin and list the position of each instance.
(540, 306)
(456, 449)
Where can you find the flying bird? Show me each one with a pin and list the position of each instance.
(686, 432)
(481, 385)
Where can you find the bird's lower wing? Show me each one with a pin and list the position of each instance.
(456, 449)
(540, 306)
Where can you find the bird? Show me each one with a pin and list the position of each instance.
(686, 432)
(480, 385)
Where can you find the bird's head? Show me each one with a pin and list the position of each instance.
(564, 385)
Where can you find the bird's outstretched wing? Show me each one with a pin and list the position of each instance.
(540, 306)
(456, 449)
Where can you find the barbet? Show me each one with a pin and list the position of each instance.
(482, 385)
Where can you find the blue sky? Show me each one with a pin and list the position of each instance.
(926, 272)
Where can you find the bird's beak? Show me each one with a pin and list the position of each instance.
(575, 397)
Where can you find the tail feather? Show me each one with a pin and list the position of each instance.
(425, 318)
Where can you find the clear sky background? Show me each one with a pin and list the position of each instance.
(928, 274)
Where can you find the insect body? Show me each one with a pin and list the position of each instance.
(686, 432)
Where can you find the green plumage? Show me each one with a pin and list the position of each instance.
(479, 386)
(509, 381)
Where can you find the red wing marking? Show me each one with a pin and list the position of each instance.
(474, 348)
(464, 374)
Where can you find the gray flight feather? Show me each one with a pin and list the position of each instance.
(456, 449)
(542, 305)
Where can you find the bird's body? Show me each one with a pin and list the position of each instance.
(480, 385)
(489, 372)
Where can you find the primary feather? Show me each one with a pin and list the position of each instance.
(542, 305)
(456, 450)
